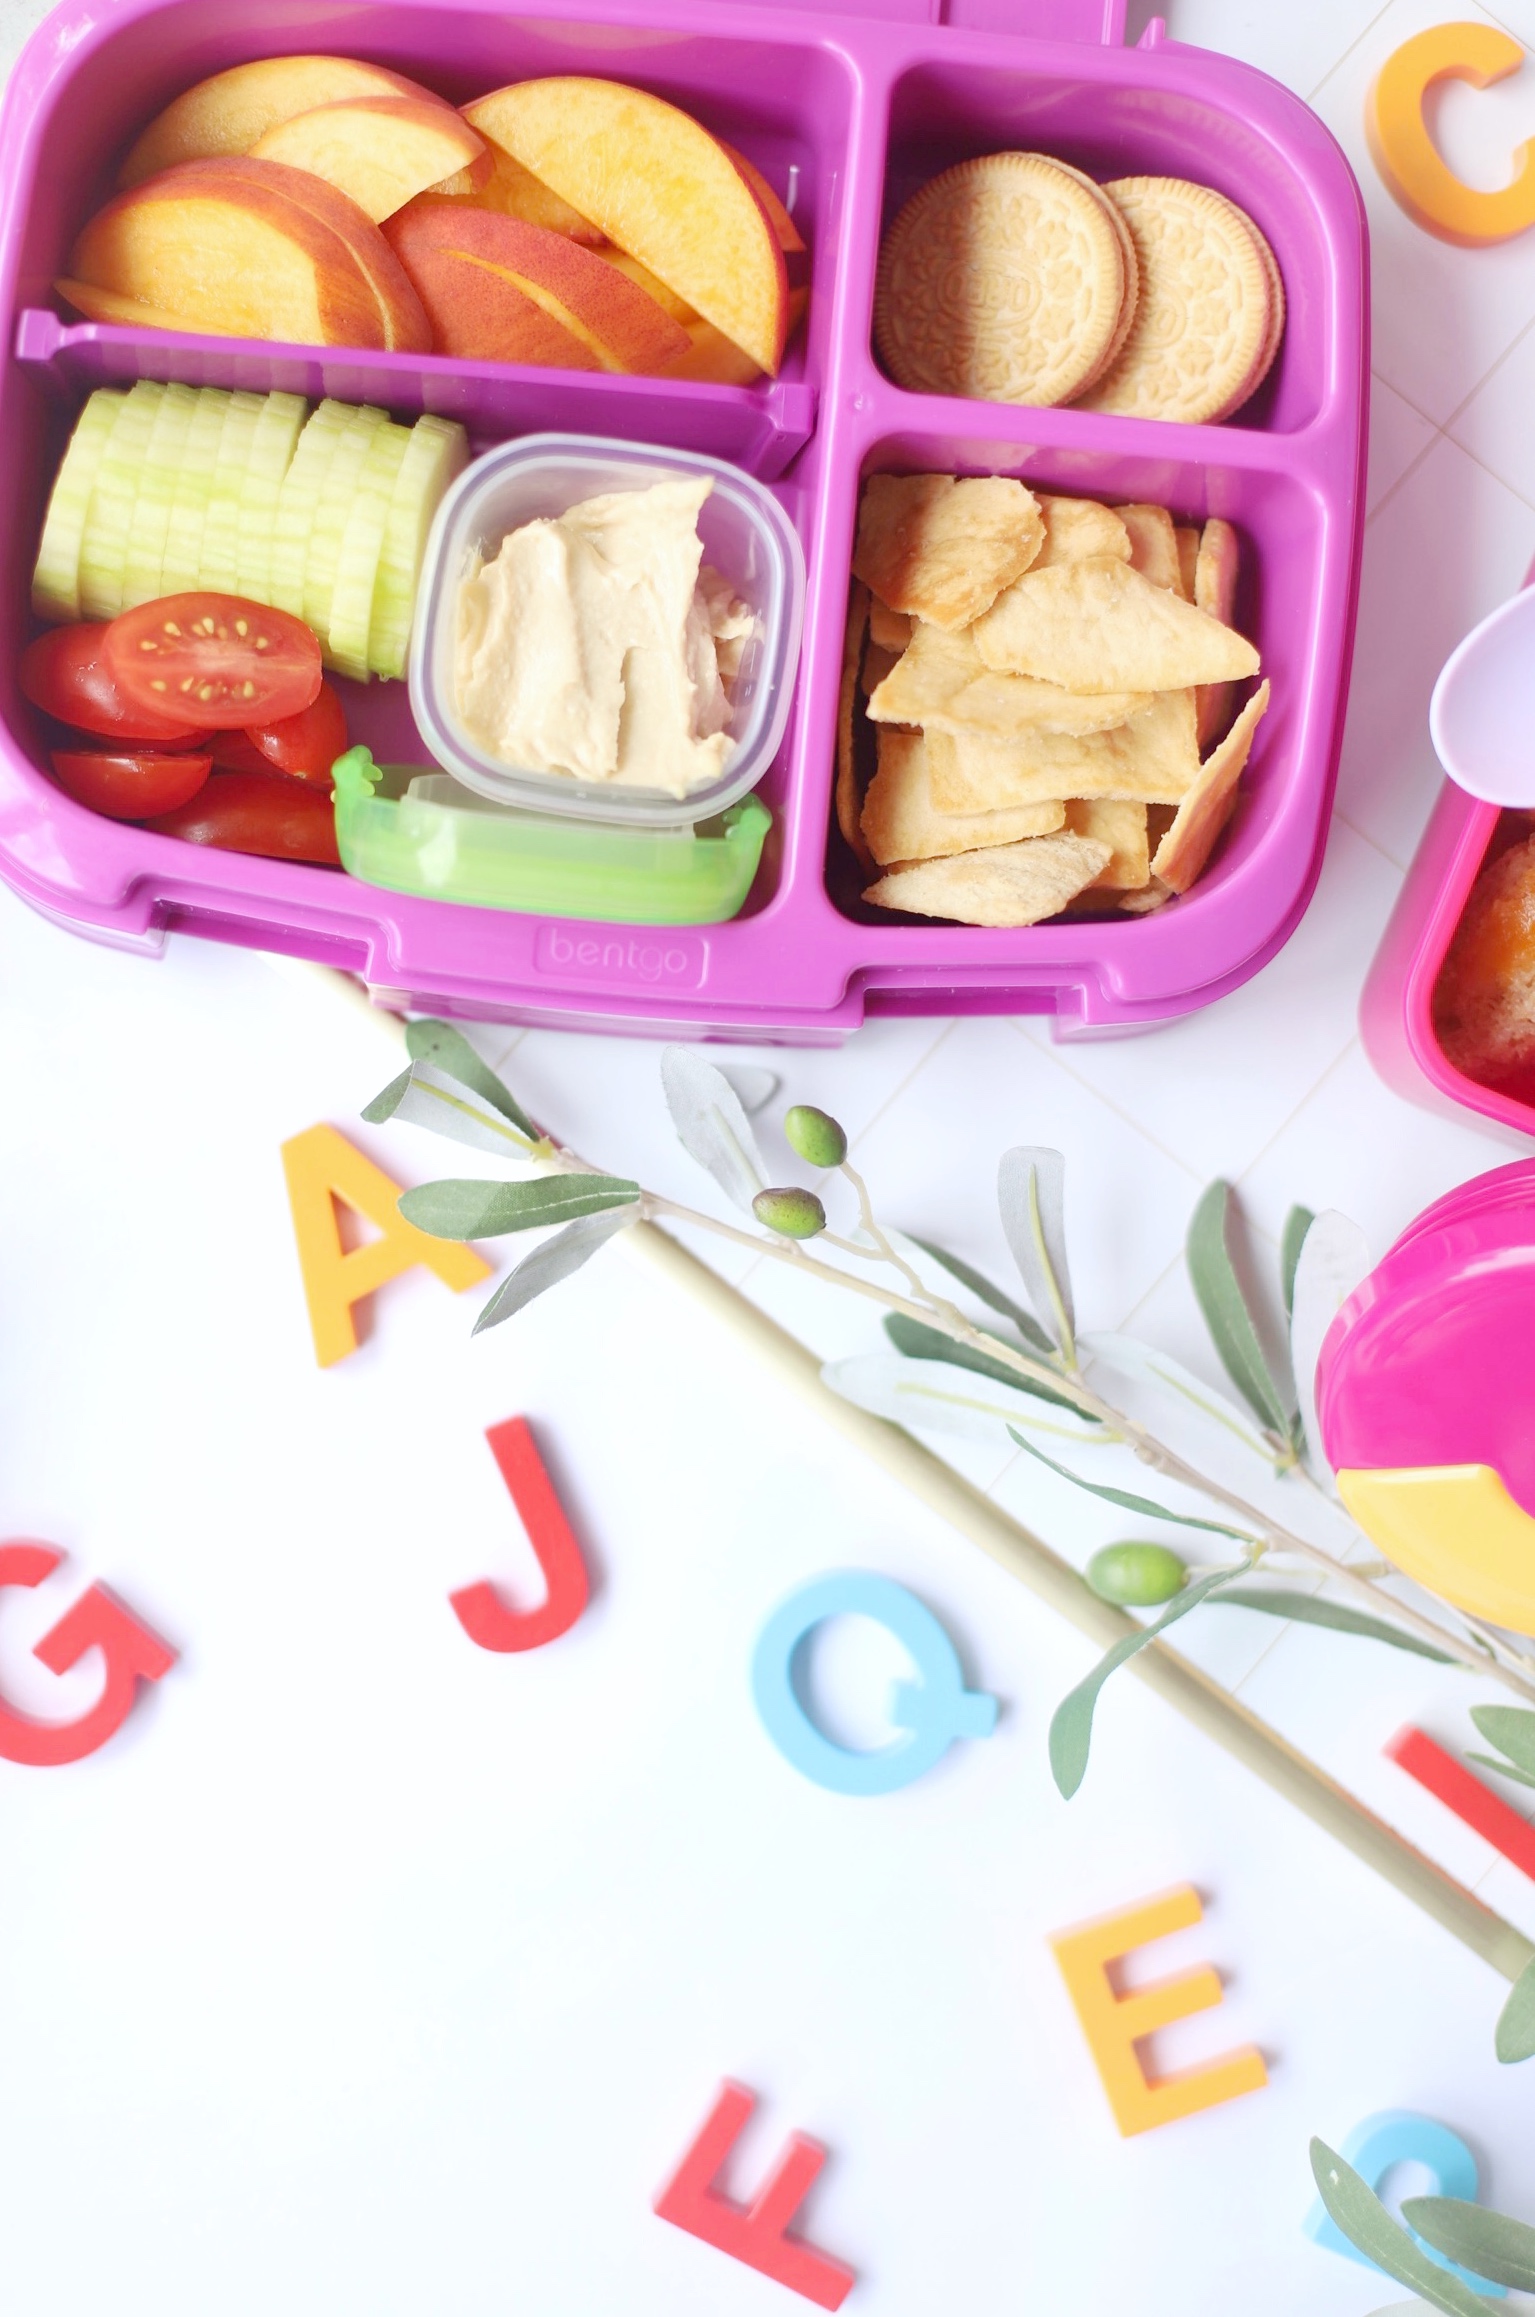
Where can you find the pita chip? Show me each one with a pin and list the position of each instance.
(1120, 825)
(942, 683)
(1100, 626)
(891, 630)
(1006, 886)
(1204, 812)
(1215, 591)
(902, 823)
(1153, 545)
(1153, 759)
(1188, 556)
(1076, 529)
(942, 547)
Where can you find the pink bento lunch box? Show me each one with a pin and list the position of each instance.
(847, 113)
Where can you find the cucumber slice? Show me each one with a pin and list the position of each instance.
(216, 556)
(271, 454)
(181, 564)
(331, 510)
(437, 450)
(296, 504)
(109, 520)
(163, 455)
(56, 580)
(362, 544)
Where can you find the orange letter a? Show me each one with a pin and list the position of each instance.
(322, 1167)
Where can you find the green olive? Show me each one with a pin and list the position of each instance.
(1136, 1576)
(796, 1214)
(815, 1136)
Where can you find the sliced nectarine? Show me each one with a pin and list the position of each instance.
(790, 239)
(404, 325)
(712, 359)
(657, 184)
(99, 305)
(516, 192)
(464, 260)
(229, 112)
(379, 150)
(231, 257)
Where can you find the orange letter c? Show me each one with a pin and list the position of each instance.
(1415, 173)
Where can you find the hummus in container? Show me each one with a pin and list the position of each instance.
(597, 644)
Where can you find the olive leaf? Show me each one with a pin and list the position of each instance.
(1504, 1769)
(1225, 1309)
(938, 1396)
(1334, 1258)
(422, 1096)
(986, 1292)
(1364, 2220)
(1310, 1609)
(920, 1342)
(1488, 2243)
(712, 1125)
(450, 1051)
(1512, 1730)
(555, 1259)
(1136, 1504)
(1127, 1358)
(1071, 1725)
(1031, 1196)
(1515, 2038)
(472, 1210)
(1291, 1240)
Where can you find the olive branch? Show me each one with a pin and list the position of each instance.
(1032, 1379)
(947, 1371)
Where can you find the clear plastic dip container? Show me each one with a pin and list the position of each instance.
(747, 538)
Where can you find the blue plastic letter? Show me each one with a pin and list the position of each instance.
(1397, 2136)
(936, 1709)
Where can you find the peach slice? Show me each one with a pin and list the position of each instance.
(790, 239)
(405, 326)
(127, 313)
(380, 151)
(230, 112)
(236, 259)
(712, 359)
(623, 263)
(476, 272)
(516, 192)
(656, 183)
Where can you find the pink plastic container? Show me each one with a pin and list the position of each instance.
(847, 114)
(1423, 1394)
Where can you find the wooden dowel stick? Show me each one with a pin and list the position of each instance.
(1181, 1685)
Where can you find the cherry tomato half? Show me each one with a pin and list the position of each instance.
(63, 673)
(257, 812)
(236, 752)
(130, 787)
(228, 662)
(307, 745)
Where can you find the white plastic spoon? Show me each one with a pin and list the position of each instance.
(1482, 714)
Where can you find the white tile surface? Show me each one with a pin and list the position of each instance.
(1445, 548)
(1443, 315)
(1399, 435)
(410, 2000)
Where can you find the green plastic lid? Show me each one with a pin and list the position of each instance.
(416, 830)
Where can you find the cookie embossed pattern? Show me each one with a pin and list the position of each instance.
(848, 119)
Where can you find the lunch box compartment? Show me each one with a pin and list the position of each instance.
(1282, 529)
(941, 113)
(847, 114)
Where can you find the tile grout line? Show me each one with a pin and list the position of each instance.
(1052, 1053)
(1339, 61)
